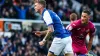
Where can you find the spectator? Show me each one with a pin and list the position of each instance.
(31, 14)
(62, 7)
(98, 49)
(21, 11)
(12, 13)
(1, 3)
(97, 11)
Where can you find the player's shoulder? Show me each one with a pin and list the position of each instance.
(46, 12)
(91, 24)
(75, 23)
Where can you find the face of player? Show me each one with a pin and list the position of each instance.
(84, 18)
(37, 7)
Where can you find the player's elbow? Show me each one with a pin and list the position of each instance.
(51, 29)
(90, 42)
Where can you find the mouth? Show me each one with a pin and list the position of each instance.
(83, 21)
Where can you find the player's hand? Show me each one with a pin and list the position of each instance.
(38, 33)
(41, 43)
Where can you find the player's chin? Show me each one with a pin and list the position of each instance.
(83, 21)
(35, 10)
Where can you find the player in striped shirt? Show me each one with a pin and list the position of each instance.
(62, 38)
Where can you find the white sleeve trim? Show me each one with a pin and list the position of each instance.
(47, 18)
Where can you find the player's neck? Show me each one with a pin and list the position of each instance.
(41, 10)
(72, 21)
(85, 23)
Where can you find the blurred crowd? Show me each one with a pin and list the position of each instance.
(17, 9)
(24, 9)
(22, 44)
(65, 7)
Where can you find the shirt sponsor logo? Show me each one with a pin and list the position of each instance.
(87, 30)
(78, 28)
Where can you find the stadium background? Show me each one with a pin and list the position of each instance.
(18, 21)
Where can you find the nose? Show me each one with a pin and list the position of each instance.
(82, 18)
(34, 7)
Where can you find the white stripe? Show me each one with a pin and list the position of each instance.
(47, 18)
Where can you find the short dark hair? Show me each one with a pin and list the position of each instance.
(43, 2)
(86, 11)
(73, 16)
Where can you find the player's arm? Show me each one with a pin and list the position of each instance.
(48, 20)
(48, 33)
(71, 26)
(40, 32)
(90, 43)
(16, 7)
(44, 32)
(91, 34)
(47, 36)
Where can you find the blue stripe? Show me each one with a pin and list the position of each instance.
(43, 11)
(51, 52)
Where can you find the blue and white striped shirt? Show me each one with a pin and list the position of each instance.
(51, 18)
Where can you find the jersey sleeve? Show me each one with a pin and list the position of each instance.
(92, 31)
(47, 18)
